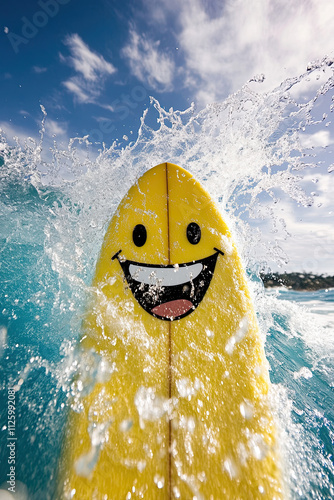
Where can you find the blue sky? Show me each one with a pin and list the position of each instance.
(93, 65)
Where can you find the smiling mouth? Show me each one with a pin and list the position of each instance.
(169, 292)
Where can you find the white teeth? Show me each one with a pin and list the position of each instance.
(165, 276)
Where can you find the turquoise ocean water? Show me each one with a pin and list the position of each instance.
(55, 204)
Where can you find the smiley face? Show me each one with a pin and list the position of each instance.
(174, 290)
(166, 240)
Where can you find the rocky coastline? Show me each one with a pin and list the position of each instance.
(298, 281)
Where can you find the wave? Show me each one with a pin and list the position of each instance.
(55, 204)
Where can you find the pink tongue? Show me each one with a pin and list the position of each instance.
(173, 309)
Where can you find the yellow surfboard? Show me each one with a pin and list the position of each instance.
(181, 410)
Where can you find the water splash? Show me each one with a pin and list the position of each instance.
(251, 154)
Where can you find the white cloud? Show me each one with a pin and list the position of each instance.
(318, 139)
(148, 63)
(323, 186)
(108, 107)
(54, 128)
(310, 245)
(225, 44)
(76, 86)
(90, 64)
(39, 69)
(91, 68)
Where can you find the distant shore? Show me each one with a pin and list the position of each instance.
(298, 281)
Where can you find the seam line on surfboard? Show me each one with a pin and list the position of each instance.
(169, 358)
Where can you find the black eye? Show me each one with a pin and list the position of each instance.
(139, 235)
(193, 233)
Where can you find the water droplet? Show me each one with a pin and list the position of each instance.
(126, 425)
(246, 410)
(238, 336)
(159, 481)
(3, 339)
(149, 405)
(176, 492)
(187, 388)
(141, 465)
(258, 447)
(86, 462)
(191, 424)
(230, 467)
